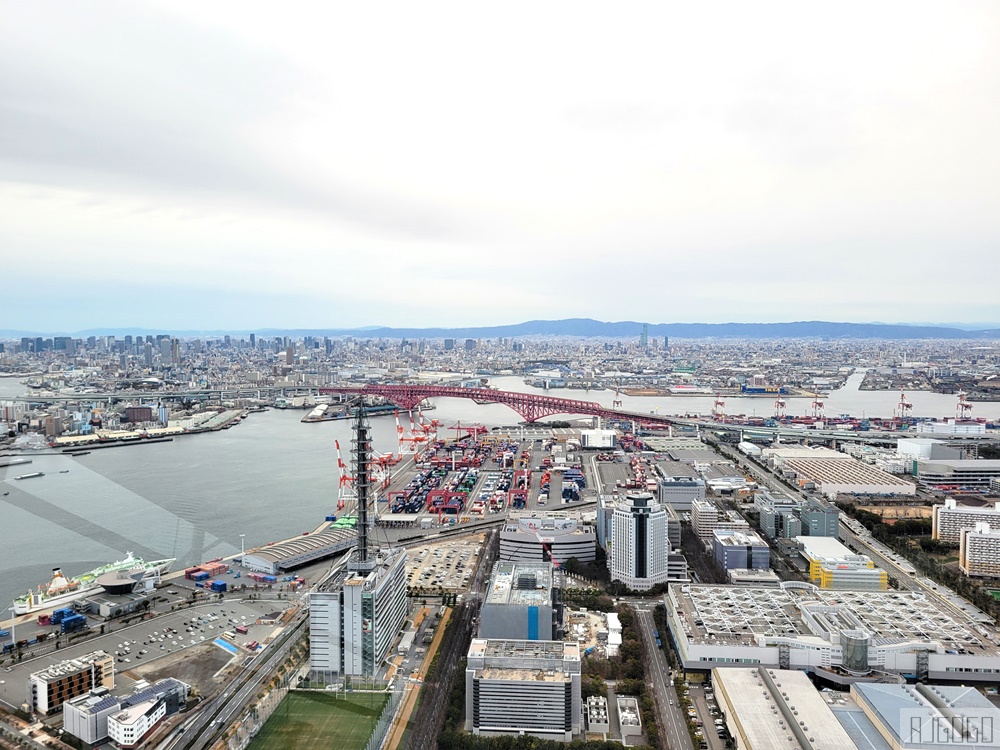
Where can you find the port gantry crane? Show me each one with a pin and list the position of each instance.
(428, 428)
(473, 430)
(904, 408)
(410, 441)
(963, 409)
(345, 488)
(817, 406)
(719, 408)
(780, 408)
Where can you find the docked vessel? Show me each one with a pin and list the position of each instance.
(62, 590)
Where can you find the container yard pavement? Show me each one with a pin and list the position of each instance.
(308, 718)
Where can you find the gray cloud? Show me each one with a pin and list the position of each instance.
(151, 103)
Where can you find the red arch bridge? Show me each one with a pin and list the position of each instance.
(530, 406)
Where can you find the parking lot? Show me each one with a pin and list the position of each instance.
(158, 641)
(448, 565)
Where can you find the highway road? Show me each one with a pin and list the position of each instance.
(673, 726)
(211, 718)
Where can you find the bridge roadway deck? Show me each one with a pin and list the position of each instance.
(549, 405)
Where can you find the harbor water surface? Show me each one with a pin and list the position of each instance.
(270, 477)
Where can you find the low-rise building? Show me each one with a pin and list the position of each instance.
(86, 717)
(783, 517)
(596, 712)
(958, 473)
(846, 475)
(130, 726)
(523, 687)
(707, 517)
(754, 578)
(629, 719)
(49, 688)
(777, 455)
(952, 427)
(294, 553)
(834, 566)
(680, 491)
(614, 634)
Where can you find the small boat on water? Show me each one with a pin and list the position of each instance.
(30, 476)
(64, 471)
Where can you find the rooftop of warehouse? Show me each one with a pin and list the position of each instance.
(909, 712)
(753, 695)
(852, 471)
(741, 615)
(699, 455)
(301, 545)
(825, 547)
(520, 584)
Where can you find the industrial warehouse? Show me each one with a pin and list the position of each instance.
(302, 550)
(838, 635)
(832, 476)
(758, 703)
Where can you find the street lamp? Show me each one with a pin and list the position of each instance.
(242, 552)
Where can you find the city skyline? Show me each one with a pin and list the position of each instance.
(568, 328)
(228, 167)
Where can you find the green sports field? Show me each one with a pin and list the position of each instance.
(311, 719)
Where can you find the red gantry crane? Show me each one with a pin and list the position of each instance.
(904, 408)
(719, 408)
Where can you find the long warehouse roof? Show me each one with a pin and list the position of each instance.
(295, 548)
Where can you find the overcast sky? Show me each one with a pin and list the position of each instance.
(239, 165)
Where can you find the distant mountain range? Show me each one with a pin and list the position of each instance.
(586, 327)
